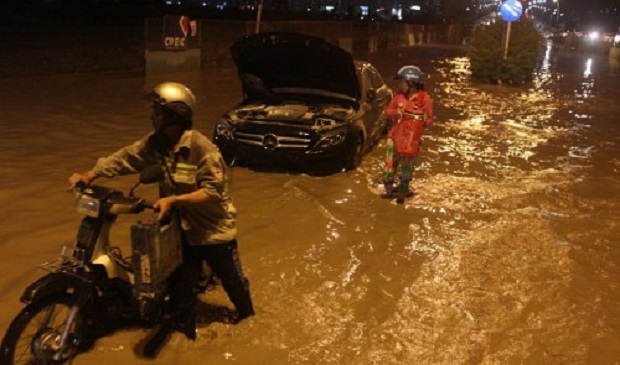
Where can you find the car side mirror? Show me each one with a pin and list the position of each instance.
(371, 94)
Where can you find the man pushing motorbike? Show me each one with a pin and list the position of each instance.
(196, 186)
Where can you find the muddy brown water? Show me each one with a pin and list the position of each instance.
(508, 254)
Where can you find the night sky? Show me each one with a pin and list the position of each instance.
(577, 14)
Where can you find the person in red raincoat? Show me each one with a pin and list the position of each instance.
(410, 111)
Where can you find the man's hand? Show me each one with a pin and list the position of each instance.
(164, 205)
(86, 177)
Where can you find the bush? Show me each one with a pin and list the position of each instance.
(486, 53)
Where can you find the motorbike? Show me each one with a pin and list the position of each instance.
(92, 288)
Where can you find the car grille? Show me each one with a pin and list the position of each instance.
(272, 140)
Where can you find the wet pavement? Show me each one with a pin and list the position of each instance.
(508, 253)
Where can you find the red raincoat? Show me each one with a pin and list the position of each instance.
(409, 117)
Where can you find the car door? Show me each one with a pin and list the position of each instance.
(377, 96)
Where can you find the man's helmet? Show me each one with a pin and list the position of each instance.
(411, 74)
(176, 97)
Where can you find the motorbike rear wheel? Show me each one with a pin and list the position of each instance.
(34, 335)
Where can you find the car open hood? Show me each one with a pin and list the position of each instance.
(272, 61)
(289, 114)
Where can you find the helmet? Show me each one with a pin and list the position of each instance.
(176, 97)
(411, 74)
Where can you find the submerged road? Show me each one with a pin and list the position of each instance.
(508, 254)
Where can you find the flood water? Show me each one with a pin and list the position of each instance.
(508, 254)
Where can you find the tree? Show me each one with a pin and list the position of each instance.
(486, 53)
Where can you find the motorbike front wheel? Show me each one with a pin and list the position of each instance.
(35, 334)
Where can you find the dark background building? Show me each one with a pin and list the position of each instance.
(567, 14)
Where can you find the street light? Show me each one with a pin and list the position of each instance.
(557, 2)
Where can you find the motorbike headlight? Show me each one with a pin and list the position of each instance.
(224, 129)
(88, 206)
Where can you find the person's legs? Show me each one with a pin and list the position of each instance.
(225, 261)
(391, 165)
(406, 166)
(182, 295)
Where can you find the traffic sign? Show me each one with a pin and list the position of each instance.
(511, 10)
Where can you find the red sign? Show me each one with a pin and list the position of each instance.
(177, 29)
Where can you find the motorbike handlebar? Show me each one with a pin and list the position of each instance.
(115, 201)
(79, 186)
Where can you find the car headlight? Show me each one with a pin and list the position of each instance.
(88, 206)
(332, 139)
(224, 129)
(326, 124)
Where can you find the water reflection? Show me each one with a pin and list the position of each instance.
(588, 69)
(476, 268)
(496, 125)
(544, 74)
(492, 188)
(507, 254)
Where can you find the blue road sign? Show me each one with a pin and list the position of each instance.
(511, 10)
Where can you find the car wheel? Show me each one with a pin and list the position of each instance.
(228, 156)
(355, 155)
(388, 126)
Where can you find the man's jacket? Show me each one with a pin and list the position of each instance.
(195, 163)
